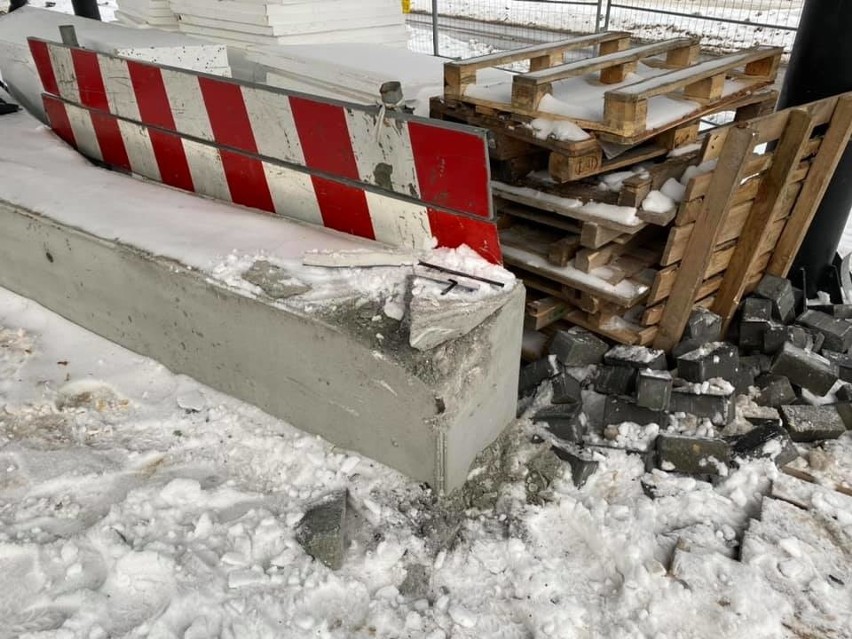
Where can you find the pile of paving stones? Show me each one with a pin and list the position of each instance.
(777, 378)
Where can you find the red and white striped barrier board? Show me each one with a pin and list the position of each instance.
(237, 177)
(441, 164)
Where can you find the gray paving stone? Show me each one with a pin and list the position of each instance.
(756, 364)
(567, 389)
(804, 368)
(716, 359)
(776, 335)
(843, 363)
(812, 423)
(775, 391)
(533, 374)
(715, 404)
(654, 389)
(637, 357)
(321, 530)
(581, 463)
(767, 441)
(755, 321)
(578, 347)
(704, 326)
(779, 292)
(837, 332)
(692, 455)
(844, 393)
(564, 421)
(616, 380)
(625, 409)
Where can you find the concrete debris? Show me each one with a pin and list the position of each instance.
(837, 332)
(638, 357)
(582, 464)
(844, 409)
(844, 393)
(805, 369)
(775, 336)
(435, 321)
(756, 320)
(577, 347)
(775, 390)
(756, 364)
(416, 583)
(532, 375)
(542, 470)
(693, 455)
(321, 530)
(625, 409)
(274, 280)
(843, 363)
(703, 325)
(811, 423)
(779, 292)
(564, 421)
(616, 380)
(716, 359)
(768, 441)
(654, 389)
(762, 416)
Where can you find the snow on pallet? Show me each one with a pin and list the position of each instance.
(358, 159)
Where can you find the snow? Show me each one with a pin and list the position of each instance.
(562, 130)
(657, 202)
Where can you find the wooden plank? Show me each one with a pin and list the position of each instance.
(727, 177)
(544, 312)
(689, 210)
(540, 217)
(561, 252)
(767, 206)
(595, 236)
(822, 169)
(653, 315)
(587, 260)
(665, 279)
(457, 75)
(680, 236)
(529, 88)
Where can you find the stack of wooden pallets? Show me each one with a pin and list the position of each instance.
(617, 210)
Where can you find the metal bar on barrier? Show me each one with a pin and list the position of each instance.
(436, 47)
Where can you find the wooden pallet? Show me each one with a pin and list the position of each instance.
(630, 111)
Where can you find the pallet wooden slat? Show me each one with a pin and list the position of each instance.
(727, 177)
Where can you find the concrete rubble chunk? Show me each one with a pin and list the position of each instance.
(755, 321)
(775, 391)
(273, 280)
(812, 423)
(321, 530)
(844, 409)
(654, 389)
(616, 380)
(416, 583)
(713, 400)
(837, 332)
(564, 421)
(542, 470)
(775, 336)
(432, 322)
(692, 455)
(756, 364)
(638, 357)
(578, 347)
(743, 382)
(762, 416)
(843, 363)
(842, 311)
(625, 409)
(805, 369)
(779, 292)
(769, 441)
(716, 359)
(532, 375)
(703, 325)
(567, 389)
(582, 464)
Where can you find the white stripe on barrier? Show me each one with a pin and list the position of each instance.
(63, 69)
(400, 223)
(115, 75)
(187, 104)
(140, 152)
(293, 193)
(84, 133)
(273, 125)
(208, 174)
(373, 144)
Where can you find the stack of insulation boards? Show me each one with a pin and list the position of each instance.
(352, 71)
(269, 22)
(147, 13)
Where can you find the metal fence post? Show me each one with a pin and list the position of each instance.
(608, 13)
(436, 47)
(599, 16)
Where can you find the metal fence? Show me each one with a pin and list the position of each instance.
(464, 28)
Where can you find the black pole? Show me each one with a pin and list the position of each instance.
(17, 4)
(821, 66)
(86, 9)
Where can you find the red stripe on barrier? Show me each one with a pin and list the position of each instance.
(452, 231)
(246, 180)
(452, 168)
(57, 117)
(343, 208)
(44, 66)
(151, 97)
(89, 79)
(229, 119)
(324, 135)
(171, 160)
(110, 141)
